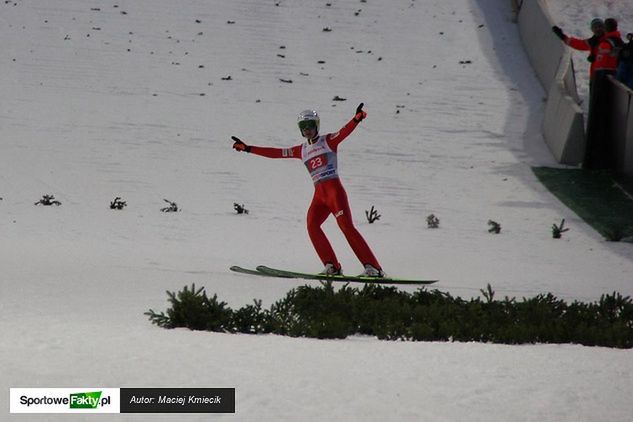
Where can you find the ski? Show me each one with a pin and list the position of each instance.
(273, 272)
(243, 270)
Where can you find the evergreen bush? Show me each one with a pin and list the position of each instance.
(388, 313)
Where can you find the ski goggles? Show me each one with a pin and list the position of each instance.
(307, 124)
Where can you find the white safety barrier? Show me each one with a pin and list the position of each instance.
(563, 124)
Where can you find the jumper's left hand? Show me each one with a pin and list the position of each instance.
(360, 114)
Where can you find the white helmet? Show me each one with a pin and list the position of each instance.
(308, 118)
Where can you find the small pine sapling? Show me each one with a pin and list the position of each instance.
(557, 231)
(118, 204)
(494, 227)
(432, 222)
(372, 215)
(489, 294)
(173, 207)
(48, 200)
(240, 208)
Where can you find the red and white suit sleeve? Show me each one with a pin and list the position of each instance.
(334, 139)
(268, 152)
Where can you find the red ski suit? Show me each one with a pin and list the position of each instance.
(319, 156)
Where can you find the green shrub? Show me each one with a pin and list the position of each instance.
(193, 309)
(388, 313)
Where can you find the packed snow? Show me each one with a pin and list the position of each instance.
(139, 99)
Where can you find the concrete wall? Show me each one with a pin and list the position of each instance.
(563, 124)
(620, 126)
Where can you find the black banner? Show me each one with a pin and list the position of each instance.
(177, 400)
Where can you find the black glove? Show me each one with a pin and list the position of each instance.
(360, 114)
(559, 33)
(238, 145)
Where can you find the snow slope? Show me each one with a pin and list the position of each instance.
(132, 99)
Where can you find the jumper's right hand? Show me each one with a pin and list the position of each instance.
(240, 146)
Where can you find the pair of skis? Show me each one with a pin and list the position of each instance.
(262, 270)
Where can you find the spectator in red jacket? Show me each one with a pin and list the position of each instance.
(610, 47)
(602, 46)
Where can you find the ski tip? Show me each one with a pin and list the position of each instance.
(273, 272)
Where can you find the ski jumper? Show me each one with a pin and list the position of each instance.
(320, 158)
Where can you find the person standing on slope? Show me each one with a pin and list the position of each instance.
(603, 46)
(319, 154)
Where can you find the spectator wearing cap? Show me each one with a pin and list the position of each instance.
(609, 48)
(623, 52)
(602, 53)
